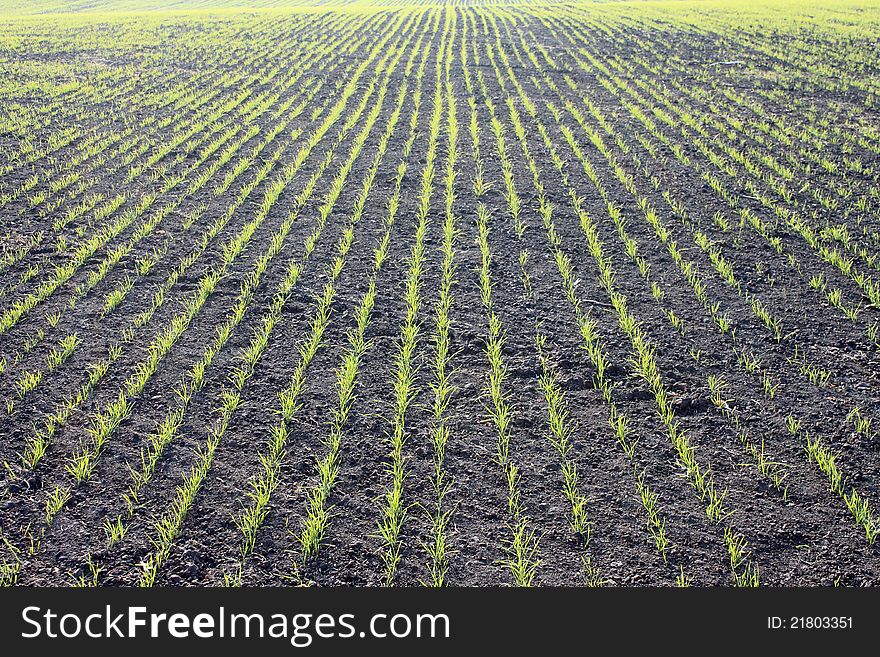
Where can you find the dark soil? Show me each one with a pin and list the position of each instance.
(806, 536)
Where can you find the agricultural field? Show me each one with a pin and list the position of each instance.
(464, 294)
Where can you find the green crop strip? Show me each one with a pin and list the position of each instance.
(238, 345)
(248, 522)
(81, 464)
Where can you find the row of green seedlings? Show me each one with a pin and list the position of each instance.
(251, 517)
(103, 424)
(63, 273)
(785, 137)
(857, 505)
(34, 268)
(774, 471)
(314, 139)
(815, 374)
(511, 198)
(724, 269)
(688, 269)
(189, 146)
(12, 255)
(558, 424)
(31, 379)
(392, 505)
(644, 365)
(619, 423)
(58, 496)
(256, 513)
(318, 514)
(442, 387)
(825, 458)
(132, 91)
(522, 548)
(39, 441)
(815, 239)
(243, 164)
(116, 297)
(170, 524)
(68, 99)
(560, 430)
(145, 265)
(821, 64)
